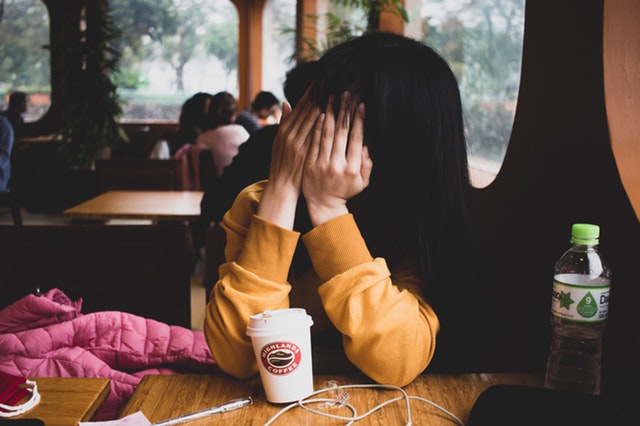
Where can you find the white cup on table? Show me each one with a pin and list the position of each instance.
(282, 344)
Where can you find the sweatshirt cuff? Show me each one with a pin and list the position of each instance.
(336, 246)
(268, 250)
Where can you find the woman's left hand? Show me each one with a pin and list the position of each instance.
(338, 165)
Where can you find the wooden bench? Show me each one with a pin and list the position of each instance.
(143, 270)
(141, 174)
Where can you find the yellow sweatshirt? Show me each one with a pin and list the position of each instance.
(388, 330)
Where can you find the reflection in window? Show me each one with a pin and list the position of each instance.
(278, 44)
(482, 41)
(172, 49)
(24, 55)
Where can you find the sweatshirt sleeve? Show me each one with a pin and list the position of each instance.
(388, 330)
(254, 278)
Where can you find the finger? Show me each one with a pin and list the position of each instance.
(316, 140)
(300, 124)
(286, 112)
(356, 138)
(342, 126)
(328, 130)
(365, 167)
(299, 113)
(307, 94)
(287, 129)
(309, 121)
(304, 105)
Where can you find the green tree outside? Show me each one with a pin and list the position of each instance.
(482, 42)
(24, 54)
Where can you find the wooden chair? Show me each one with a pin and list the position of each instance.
(138, 269)
(206, 169)
(10, 199)
(140, 174)
(198, 168)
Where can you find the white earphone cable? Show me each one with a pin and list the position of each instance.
(303, 403)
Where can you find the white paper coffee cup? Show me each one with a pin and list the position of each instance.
(282, 344)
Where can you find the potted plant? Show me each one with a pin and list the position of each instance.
(93, 107)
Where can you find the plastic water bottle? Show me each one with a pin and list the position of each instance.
(579, 308)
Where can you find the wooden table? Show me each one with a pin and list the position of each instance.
(161, 397)
(67, 401)
(38, 139)
(156, 206)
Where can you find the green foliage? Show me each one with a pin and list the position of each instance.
(130, 77)
(374, 8)
(484, 51)
(339, 30)
(93, 107)
(180, 47)
(174, 31)
(24, 31)
(346, 20)
(154, 19)
(222, 42)
(143, 24)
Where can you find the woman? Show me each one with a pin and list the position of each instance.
(370, 168)
(192, 121)
(222, 136)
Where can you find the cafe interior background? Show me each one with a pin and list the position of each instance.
(551, 92)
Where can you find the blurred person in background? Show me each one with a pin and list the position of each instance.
(192, 121)
(16, 107)
(222, 135)
(6, 147)
(265, 107)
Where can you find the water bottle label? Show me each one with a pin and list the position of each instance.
(580, 304)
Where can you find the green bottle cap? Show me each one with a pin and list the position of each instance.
(585, 233)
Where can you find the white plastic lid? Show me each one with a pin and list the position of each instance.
(278, 321)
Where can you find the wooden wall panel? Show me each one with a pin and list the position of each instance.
(622, 90)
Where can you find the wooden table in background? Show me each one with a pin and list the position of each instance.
(161, 397)
(38, 139)
(67, 401)
(156, 206)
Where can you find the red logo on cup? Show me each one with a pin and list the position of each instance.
(280, 358)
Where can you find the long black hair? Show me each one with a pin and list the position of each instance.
(417, 211)
(416, 207)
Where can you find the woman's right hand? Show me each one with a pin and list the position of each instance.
(338, 165)
(278, 203)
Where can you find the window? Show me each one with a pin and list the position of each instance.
(172, 49)
(278, 44)
(482, 41)
(24, 55)
(335, 22)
